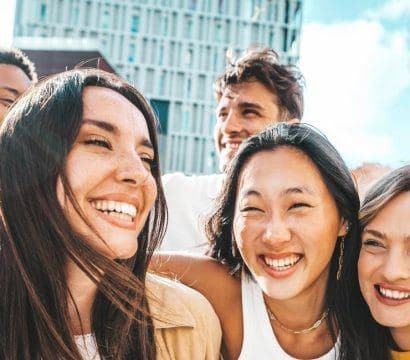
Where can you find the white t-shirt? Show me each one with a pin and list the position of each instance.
(190, 199)
(259, 340)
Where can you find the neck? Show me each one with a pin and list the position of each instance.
(302, 311)
(401, 337)
(83, 291)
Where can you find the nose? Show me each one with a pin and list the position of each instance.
(396, 267)
(131, 169)
(232, 123)
(276, 233)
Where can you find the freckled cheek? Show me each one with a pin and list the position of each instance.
(150, 192)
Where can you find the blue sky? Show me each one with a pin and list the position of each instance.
(355, 56)
(356, 59)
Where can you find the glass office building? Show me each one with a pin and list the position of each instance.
(172, 50)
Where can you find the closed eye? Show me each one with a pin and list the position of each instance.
(148, 161)
(250, 112)
(250, 208)
(372, 243)
(299, 205)
(98, 141)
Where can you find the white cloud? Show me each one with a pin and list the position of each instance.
(391, 10)
(355, 71)
(7, 9)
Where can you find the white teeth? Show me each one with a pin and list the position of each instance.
(282, 264)
(232, 145)
(394, 294)
(121, 216)
(111, 205)
(115, 207)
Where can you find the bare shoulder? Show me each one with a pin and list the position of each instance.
(200, 272)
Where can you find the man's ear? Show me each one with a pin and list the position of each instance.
(344, 228)
(293, 121)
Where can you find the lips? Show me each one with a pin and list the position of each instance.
(280, 266)
(119, 210)
(283, 263)
(231, 144)
(392, 295)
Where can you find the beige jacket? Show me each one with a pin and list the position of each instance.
(186, 326)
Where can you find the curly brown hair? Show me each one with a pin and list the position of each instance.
(262, 64)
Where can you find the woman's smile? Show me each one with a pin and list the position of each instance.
(280, 266)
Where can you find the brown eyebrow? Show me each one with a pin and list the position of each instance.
(102, 125)
(251, 192)
(376, 233)
(114, 130)
(292, 190)
(242, 105)
(298, 190)
(147, 143)
(247, 105)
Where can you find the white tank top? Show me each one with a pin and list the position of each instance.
(87, 346)
(259, 340)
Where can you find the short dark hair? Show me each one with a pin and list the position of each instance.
(13, 56)
(343, 296)
(262, 64)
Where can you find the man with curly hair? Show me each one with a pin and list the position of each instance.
(17, 73)
(255, 91)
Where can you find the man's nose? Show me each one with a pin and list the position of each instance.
(232, 123)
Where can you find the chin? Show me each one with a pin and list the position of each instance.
(276, 291)
(391, 319)
(120, 249)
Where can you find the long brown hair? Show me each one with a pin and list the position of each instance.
(36, 238)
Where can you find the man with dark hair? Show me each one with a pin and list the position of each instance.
(16, 75)
(254, 91)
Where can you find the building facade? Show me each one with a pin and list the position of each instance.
(172, 50)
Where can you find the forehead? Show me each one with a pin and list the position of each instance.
(252, 91)
(12, 77)
(274, 171)
(101, 103)
(393, 218)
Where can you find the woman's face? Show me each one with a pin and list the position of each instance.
(286, 223)
(108, 169)
(384, 263)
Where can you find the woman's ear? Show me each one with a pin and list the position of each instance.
(344, 228)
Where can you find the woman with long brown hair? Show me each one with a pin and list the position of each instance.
(82, 210)
(384, 262)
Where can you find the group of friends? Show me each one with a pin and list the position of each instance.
(280, 256)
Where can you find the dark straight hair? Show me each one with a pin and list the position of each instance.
(37, 240)
(343, 296)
